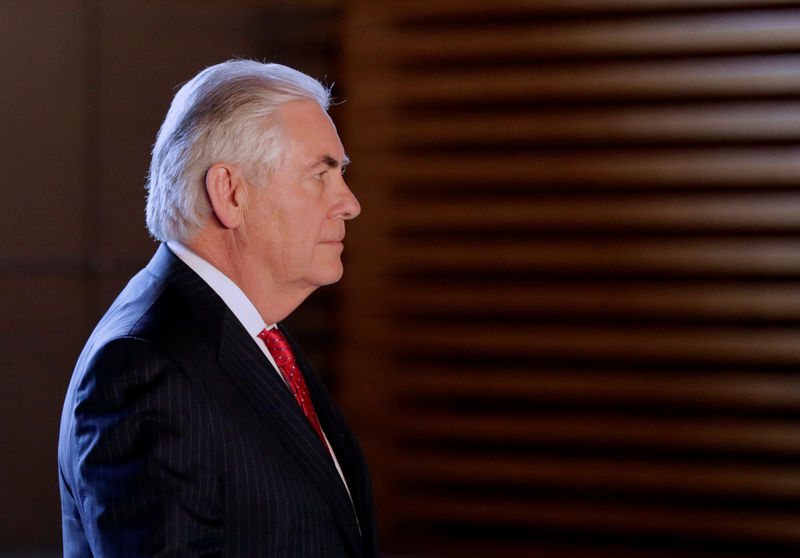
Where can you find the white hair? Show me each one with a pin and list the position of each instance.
(225, 113)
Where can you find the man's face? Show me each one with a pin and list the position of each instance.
(295, 223)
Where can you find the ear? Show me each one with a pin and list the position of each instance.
(226, 189)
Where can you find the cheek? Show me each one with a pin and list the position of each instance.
(295, 246)
(297, 226)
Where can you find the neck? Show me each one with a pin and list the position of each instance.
(273, 300)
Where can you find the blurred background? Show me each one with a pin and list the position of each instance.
(569, 319)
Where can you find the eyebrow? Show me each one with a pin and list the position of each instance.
(331, 162)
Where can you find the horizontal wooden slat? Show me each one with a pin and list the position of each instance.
(587, 430)
(742, 301)
(644, 169)
(730, 212)
(423, 10)
(758, 257)
(735, 122)
(746, 76)
(682, 389)
(755, 345)
(611, 517)
(734, 32)
(622, 476)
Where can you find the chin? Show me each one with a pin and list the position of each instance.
(329, 276)
(335, 279)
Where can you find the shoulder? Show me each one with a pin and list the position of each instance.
(129, 398)
(131, 363)
(135, 395)
(150, 313)
(141, 342)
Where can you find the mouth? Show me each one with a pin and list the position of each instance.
(335, 240)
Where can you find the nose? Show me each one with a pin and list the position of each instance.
(346, 206)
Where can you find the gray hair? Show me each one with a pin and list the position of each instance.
(225, 113)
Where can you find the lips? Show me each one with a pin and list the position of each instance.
(338, 239)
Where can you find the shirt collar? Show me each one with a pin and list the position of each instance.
(230, 293)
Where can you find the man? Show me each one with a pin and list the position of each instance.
(191, 427)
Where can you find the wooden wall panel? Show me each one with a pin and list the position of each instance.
(572, 302)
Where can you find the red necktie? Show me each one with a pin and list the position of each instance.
(282, 353)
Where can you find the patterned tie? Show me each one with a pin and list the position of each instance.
(282, 353)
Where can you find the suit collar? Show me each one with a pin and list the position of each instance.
(204, 305)
(230, 293)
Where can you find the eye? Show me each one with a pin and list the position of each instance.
(320, 176)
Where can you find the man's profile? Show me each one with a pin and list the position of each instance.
(192, 425)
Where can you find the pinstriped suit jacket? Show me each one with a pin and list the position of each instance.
(177, 439)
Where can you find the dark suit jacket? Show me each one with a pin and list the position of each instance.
(179, 439)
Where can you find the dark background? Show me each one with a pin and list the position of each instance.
(569, 319)
(85, 86)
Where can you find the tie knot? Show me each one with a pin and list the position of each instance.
(274, 339)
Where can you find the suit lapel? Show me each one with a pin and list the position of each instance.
(249, 369)
(251, 372)
(343, 442)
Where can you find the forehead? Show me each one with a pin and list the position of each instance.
(309, 132)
